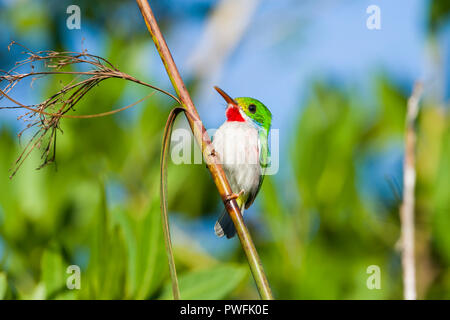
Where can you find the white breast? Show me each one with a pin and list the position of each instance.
(237, 146)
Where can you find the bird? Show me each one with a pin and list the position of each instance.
(241, 145)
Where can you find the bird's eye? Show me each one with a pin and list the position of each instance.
(252, 108)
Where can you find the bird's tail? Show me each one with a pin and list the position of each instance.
(225, 226)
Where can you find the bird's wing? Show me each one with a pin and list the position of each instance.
(264, 155)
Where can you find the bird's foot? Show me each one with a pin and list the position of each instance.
(234, 196)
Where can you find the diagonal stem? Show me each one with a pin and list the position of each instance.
(204, 141)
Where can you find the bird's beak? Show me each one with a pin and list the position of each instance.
(227, 98)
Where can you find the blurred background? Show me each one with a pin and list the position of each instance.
(338, 93)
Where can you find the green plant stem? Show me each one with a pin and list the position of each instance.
(209, 155)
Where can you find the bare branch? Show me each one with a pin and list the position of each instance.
(214, 166)
(407, 207)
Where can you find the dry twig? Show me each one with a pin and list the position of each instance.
(46, 115)
(407, 207)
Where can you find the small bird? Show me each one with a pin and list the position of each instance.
(241, 143)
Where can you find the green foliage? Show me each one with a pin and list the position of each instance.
(439, 12)
(319, 228)
(322, 234)
(214, 283)
(50, 219)
(52, 272)
(328, 237)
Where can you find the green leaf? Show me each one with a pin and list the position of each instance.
(209, 284)
(152, 255)
(146, 259)
(106, 269)
(3, 285)
(53, 272)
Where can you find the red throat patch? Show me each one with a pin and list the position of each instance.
(233, 114)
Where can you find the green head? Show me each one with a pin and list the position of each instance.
(256, 111)
(245, 108)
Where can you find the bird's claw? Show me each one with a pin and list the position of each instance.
(233, 196)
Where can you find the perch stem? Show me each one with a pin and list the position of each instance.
(204, 142)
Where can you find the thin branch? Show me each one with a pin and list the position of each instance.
(407, 207)
(204, 142)
(70, 116)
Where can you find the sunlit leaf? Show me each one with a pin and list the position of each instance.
(213, 283)
(53, 272)
(3, 285)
